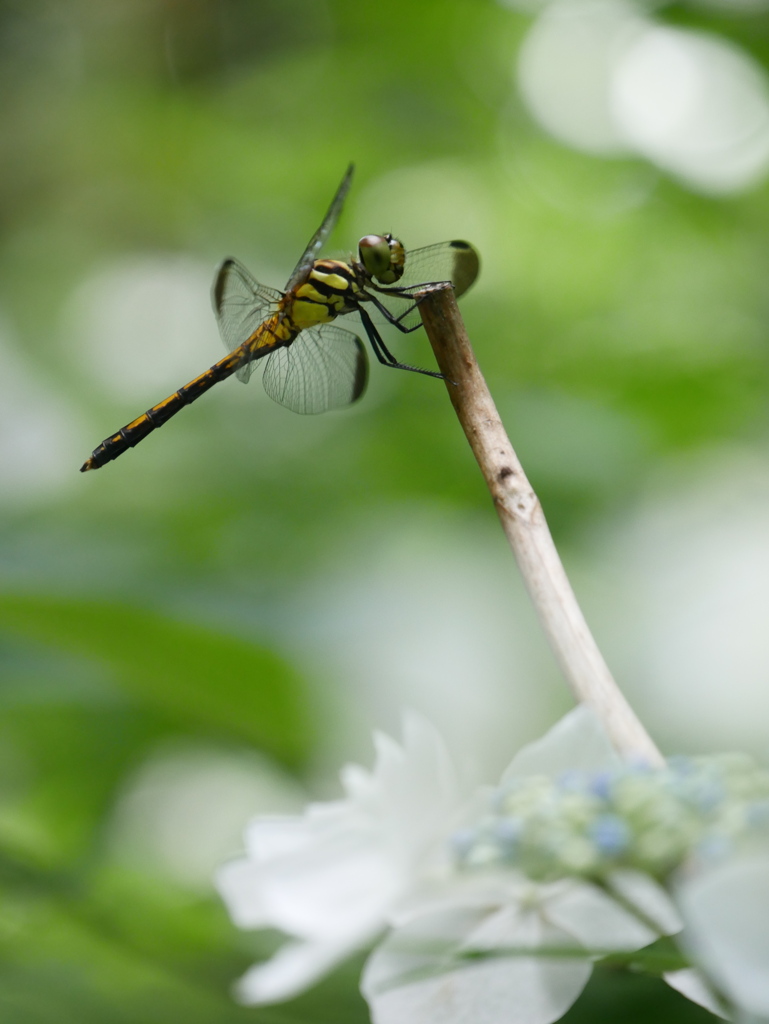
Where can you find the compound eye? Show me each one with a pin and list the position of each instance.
(374, 252)
(397, 261)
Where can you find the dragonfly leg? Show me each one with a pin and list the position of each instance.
(384, 355)
(396, 320)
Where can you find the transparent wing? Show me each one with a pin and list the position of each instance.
(456, 261)
(325, 368)
(241, 304)
(313, 248)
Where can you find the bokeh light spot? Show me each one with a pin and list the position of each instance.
(565, 67)
(695, 105)
(602, 77)
(144, 324)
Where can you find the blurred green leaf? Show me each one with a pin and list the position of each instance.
(190, 672)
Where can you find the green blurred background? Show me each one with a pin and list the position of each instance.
(210, 626)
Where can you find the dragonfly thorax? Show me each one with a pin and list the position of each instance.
(383, 257)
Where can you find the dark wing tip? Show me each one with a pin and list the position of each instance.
(217, 288)
(467, 265)
(361, 372)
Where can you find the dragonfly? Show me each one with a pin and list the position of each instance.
(311, 364)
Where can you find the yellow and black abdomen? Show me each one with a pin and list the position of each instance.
(273, 333)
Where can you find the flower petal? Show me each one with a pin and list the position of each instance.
(317, 877)
(690, 983)
(419, 791)
(576, 743)
(466, 891)
(331, 874)
(342, 885)
(645, 893)
(272, 835)
(239, 883)
(726, 911)
(596, 920)
(290, 971)
(409, 977)
(356, 782)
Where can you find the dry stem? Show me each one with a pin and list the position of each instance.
(526, 529)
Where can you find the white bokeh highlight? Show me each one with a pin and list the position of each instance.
(685, 604)
(181, 813)
(423, 610)
(41, 433)
(565, 68)
(696, 106)
(144, 326)
(603, 77)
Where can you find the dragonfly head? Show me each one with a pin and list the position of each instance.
(383, 257)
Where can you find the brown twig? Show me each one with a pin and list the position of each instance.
(526, 529)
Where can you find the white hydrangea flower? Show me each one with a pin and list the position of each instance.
(330, 877)
(540, 937)
(568, 859)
